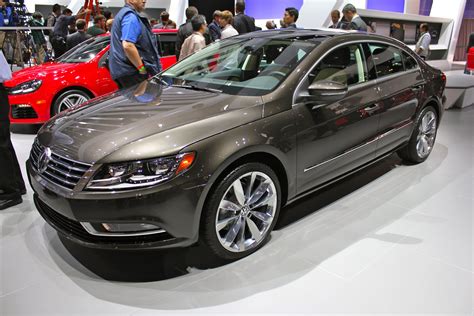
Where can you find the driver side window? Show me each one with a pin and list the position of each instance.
(344, 65)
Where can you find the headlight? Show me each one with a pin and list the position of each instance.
(137, 174)
(26, 87)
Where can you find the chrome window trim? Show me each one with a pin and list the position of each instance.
(298, 87)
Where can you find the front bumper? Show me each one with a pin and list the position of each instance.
(171, 206)
(31, 108)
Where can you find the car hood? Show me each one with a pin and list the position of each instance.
(38, 72)
(145, 121)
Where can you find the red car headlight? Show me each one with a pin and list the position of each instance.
(26, 87)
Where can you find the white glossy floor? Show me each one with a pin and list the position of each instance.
(392, 239)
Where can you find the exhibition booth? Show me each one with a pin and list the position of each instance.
(153, 169)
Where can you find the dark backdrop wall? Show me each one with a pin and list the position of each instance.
(208, 7)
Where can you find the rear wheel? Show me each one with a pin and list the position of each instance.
(423, 138)
(69, 99)
(242, 211)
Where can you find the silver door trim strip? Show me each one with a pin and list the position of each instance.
(379, 137)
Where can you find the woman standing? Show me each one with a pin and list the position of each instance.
(226, 23)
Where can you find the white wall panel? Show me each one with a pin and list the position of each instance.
(453, 9)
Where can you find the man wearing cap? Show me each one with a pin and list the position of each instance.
(166, 23)
(355, 21)
(214, 27)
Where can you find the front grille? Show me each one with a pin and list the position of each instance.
(62, 171)
(71, 227)
(23, 112)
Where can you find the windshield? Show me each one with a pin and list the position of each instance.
(85, 51)
(241, 66)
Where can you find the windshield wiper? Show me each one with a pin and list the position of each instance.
(193, 87)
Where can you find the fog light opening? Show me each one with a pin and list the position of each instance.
(128, 227)
(121, 229)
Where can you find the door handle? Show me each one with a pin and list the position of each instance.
(416, 88)
(372, 108)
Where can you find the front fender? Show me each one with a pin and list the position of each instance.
(274, 135)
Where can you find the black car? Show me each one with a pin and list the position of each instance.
(213, 147)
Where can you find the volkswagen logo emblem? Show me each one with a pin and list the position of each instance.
(44, 159)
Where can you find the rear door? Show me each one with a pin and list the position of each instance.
(167, 49)
(401, 83)
(336, 137)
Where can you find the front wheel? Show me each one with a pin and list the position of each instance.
(241, 211)
(423, 138)
(69, 99)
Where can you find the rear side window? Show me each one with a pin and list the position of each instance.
(410, 62)
(387, 59)
(345, 65)
(167, 44)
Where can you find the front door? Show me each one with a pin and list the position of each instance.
(336, 137)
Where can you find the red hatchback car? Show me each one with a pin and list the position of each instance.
(38, 93)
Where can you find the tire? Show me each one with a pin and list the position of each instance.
(227, 212)
(69, 99)
(423, 137)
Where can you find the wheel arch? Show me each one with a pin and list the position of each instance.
(435, 103)
(267, 155)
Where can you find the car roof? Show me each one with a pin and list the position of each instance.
(291, 33)
(317, 34)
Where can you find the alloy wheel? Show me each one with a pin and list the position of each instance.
(72, 100)
(426, 134)
(246, 212)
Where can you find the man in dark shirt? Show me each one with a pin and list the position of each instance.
(214, 27)
(335, 17)
(290, 17)
(186, 29)
(98, 27)
(80, 36)
(60, 31)
(166, 22)
(242, 22)
(52, 17)
(355, 21)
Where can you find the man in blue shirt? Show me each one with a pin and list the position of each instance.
(133, 53)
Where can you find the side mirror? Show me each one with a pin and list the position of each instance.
(326, 91)
(104, 62)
